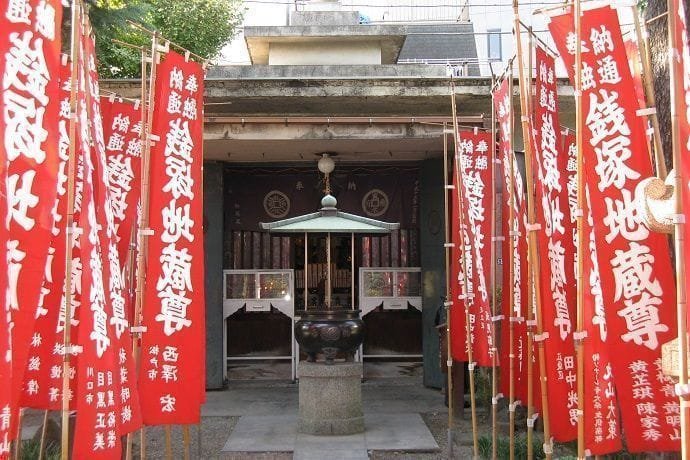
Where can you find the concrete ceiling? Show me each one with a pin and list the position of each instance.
(305, 150)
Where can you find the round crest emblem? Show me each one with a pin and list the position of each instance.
(276, 204)
(375, 203)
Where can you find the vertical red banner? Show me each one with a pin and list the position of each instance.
(30, 44)
(515, 243)
(556, 252)
(43, 374)
(172, 371)
(476, 166)
(681, 61)
(107, 404)
(634, 263)
(458, 327)
(121, 132)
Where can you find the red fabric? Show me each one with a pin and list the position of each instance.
(513, 296)
(30, 45)
(172, 371)
(634, 263)
(681, 107)
(107, 404)
(44, 388)
(556, 251)
(121, 131)
(476, 167)
(458, 326)
(635, 63)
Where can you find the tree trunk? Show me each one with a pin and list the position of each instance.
(658, 46)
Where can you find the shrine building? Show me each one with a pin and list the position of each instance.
(327, 84)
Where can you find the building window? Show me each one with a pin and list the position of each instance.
(494, 44)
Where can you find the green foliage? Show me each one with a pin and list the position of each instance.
(201, 26)
(503, 448)
(482, 384)
(32, 447)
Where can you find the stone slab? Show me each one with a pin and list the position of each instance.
(257, 433)
(278, 433)
(406, 432)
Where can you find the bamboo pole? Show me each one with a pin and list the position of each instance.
(147, 107)
(511, 278)
(494, 242)
(647, 76)
(18, 441)
(534, 288)
(69, 224)
(579, 345)
(155, 33)
(186, 441)
(44, 431)
(525, 88)
(463, 255)
(679, 232)
(135, 260)
(168, 442)
(447, 304)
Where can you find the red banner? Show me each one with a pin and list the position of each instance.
(602, 424)
(476, 168)
(458, 327)
(30, 43)
(635, 267)
(556, 252)
(106, 393)
(632, 50)
(121, 131)
(172, 372)
(513, 295)
(681, 62)
(43, 374)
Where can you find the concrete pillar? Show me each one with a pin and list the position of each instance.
(213, 250)
(432, 236)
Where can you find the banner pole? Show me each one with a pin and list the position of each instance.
(69, 224)
(168, 442)
(447, 304)
(534, 287)
(579, 345)
(44, 431)
(494, 242)
(511, 270)
(131, 257)
(679, 231)
(18, 441)
(463, 266)
(186, 441)
(147, 107)
(642, 45)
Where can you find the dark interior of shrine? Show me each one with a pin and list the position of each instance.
(262, 195)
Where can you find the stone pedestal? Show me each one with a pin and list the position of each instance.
(330, 398)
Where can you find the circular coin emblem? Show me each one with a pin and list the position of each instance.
(375, 203)
(276, 204)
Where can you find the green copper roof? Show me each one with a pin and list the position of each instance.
(329, 220)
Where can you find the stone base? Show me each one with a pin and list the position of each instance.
(330, 398)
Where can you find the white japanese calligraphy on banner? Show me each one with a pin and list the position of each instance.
(30, 45)
(634, 265)
(170, 376)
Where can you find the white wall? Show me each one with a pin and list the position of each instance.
(499, 14)
(325, 53)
